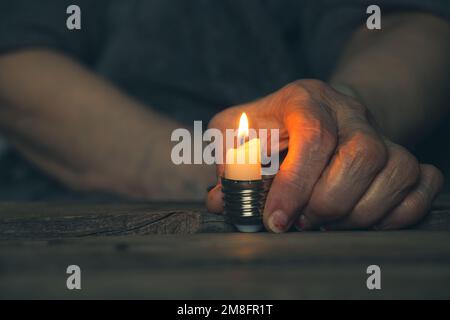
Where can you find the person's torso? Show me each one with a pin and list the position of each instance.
(189, 59)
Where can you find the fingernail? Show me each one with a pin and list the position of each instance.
(278, 221)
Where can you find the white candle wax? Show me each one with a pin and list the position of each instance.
(244, 162)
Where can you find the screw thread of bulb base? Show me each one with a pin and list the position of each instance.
(244, 202)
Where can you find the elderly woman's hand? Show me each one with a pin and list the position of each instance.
(339, 172)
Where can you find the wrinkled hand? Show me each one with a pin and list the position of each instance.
(339, 172)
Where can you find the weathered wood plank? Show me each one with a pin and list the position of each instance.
(415, 264)
(152, 252)
(48, 221)
(53, 221)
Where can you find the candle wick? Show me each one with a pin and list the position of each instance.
(241, 140)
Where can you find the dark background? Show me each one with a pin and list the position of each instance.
(191, 59)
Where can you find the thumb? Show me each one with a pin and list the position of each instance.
(312, 140)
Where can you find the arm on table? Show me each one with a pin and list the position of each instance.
(400, 73)
(79, 128)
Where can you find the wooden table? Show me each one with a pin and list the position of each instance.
(167, 250)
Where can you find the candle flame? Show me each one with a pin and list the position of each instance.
(243, 126)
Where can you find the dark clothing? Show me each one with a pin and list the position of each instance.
(190, 59)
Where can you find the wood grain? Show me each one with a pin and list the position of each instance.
(53, 221)
(414, 264)
(179, 251)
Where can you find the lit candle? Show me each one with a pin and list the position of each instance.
(244, 162)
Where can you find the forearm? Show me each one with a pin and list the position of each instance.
(400, 73)
(85, 132)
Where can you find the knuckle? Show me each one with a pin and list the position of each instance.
(305, 88)
(357, 107)
(316, 133)
(366, 150)
(406, 166)
(372, 149)
(435, 174)
(294, 89)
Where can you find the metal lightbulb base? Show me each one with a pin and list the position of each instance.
(244, 202)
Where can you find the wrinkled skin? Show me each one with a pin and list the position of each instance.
(339, 172)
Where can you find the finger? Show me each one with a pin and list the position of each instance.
(418, 203)
(387, 191)
(214, 200)
(312, 140)
(360, 156)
